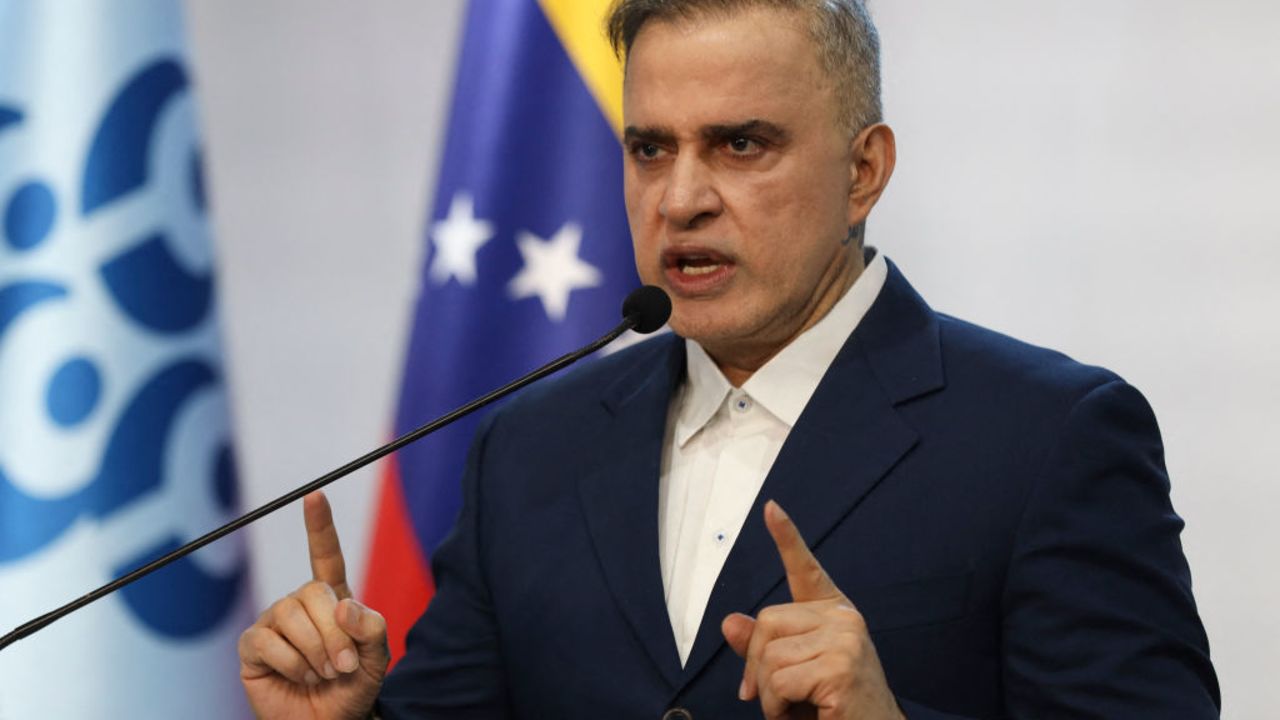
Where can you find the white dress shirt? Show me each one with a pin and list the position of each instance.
(720, 443)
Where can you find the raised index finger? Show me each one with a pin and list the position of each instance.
(327, 564)
(805, 576)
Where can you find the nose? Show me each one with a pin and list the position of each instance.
(690, 199)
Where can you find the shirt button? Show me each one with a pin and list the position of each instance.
(677, 714)
(720, 536)
(742, 403)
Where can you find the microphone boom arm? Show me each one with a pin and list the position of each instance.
(632, 320)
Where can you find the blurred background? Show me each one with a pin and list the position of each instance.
(1098, 177)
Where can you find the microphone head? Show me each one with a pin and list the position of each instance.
(648, 308)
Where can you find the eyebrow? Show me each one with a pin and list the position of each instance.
(711, 133)
(662, 135)
(761, 128)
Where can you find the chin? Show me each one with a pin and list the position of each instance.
(687, 322)
(704, 325)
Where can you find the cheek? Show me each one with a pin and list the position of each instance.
(775, 224)
(637, 221)
(641, 197)
(787, 256)
(645, 232)
(795, 225)
(647, 252)
(808, 191)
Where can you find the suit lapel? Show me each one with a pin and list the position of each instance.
(845, 442)
(619, 493)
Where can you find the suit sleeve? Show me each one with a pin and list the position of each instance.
(453, 665)
(1099, 619)
(1098, 616)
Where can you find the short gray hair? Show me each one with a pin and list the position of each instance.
(847, 40)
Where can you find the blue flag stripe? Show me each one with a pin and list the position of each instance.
(529, 148)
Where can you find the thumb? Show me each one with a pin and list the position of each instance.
(368, 629)
(737, 629)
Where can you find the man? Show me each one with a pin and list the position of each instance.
(990, 524)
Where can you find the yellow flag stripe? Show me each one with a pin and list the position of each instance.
(580, 26)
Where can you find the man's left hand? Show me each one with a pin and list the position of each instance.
(813, 657)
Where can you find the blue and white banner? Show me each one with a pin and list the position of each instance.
(114, 434)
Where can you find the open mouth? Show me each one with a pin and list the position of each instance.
(694, 271)
(698, 265)
(694, 261)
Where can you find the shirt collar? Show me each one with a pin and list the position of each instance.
(785, 383)
(703, 392)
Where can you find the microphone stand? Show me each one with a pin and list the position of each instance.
(635, 319)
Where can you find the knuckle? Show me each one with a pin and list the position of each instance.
(847, 621)
(297, 629)
(769, 616)
(777, 685)
(271, 616)
(853, 617)
(814, 575)
(315, 590)
(285, 608)
(295, 613)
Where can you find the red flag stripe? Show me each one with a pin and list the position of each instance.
(397, 581)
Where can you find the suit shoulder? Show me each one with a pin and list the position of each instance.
(595, 379)
(1020, 408)
(975, 354)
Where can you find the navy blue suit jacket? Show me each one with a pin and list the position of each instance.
(998, 513)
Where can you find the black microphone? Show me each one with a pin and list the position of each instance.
(650, 307)
(646, 309)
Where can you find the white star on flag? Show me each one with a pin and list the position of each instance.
(457, 238)
(552, 269)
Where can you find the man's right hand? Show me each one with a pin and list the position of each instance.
(316, 653)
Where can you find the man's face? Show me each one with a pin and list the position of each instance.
(737, 177)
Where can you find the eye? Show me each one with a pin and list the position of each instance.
(645, 150)
(743, 145)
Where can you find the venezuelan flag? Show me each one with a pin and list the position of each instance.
(528, 256)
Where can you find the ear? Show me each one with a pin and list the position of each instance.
(872, 158)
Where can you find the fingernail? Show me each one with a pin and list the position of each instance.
(329, 672)
(742, 689)
(347, 661)
(778, 512)
(353, 615)
(311, 678)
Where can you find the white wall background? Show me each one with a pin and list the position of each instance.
(1094, 176)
